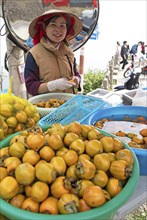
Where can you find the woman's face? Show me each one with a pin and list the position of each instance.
(56, 30)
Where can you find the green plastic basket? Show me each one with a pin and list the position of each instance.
(104, 212)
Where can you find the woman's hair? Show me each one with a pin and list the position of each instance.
(53, 18)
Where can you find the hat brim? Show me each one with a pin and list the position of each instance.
(77, 26)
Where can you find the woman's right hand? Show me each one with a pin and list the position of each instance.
(61, 84)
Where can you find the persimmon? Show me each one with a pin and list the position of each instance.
(126, 155)
(85, 169)
(49, 206)
(120, 169)
(60, 187)
(17, 200)
(68, 203)
(59, 165)
(70, 157)
(94, 196)
(100, 178)
(31, 157)
(143, 132)
(30, 205)
(102, 161)
(114, 186)
(35, 141)
(39, 191)
(46, 153)
(9, 187)
(83, 206)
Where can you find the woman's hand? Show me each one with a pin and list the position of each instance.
(61, 84)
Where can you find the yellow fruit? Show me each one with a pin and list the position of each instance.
(6, 110)
(25, 174)
(12, 122)
(45, 171)
(30, 110)
(31, 157)
(35, 141)
(9, 187)
(94, 147)
(17, 150)
(21, 117)
(39, 191)
(75, 127)
(17, 200)
(3, 173)
(55, 141)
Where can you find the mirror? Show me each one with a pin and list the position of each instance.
(18, 15)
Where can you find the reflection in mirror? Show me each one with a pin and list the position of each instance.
(18, 15)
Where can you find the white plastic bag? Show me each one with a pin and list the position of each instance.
(140, 98)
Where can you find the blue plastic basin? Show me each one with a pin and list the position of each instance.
(119, 113)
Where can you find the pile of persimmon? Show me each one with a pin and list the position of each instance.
(135, 140)
(16, 114)
(51, 103)
(65, 169)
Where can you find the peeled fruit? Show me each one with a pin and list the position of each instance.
(94, 196)
(17, 150)
(6, 110)
(94, 134)
(114, 186)
(120, 169)
(126, 155)
(12, 122)
(30, 110)
(59, 165)
(143, 132)
(78, 146)
(39, 191)
(45, 171)
(46, 153)
(49, 206)
(25, 173)
(17, 200)
(75, 127)
(30, 205)
(85, 169)
(108, 143)
(70, 137)
(57, 129)
(9, 187)
(85, 130)
(31, 157)
(94, 147)
(68, 203)
(100, 178)
(21, 116)
(55, 141)
(3, 173)
(102, 161)
(35, 141)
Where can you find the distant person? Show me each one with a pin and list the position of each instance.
(124, 54)
(134, 49)
(143, 48)
(117, 54)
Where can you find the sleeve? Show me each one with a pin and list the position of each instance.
(31, 75)
(77, 74)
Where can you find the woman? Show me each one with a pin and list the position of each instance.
(50, 63)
